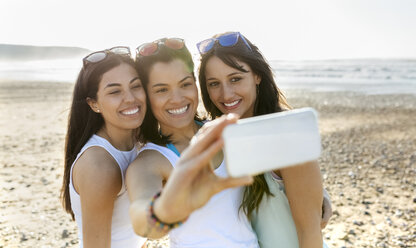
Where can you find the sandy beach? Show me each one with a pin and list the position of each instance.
(368, 165)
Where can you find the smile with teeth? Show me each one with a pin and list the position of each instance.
(131, 111)
(231, 104)
(178, 111)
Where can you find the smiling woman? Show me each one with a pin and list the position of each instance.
(166, 69)
(117, 105)
(177, 96)
(238, 94)
(285, 206)
(108, 107)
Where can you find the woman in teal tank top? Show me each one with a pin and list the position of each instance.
(166, 70)
(285, 209)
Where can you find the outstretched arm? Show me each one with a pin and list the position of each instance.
(190, 185)
(144, 179)
(193, 181)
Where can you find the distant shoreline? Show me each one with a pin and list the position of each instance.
(10, 52)
(371, 77)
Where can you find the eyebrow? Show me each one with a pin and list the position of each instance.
(134, 79)
(229, 75)
(162, 84)
(183, 79)
(117, 84)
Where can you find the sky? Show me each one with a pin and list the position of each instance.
(282, 29)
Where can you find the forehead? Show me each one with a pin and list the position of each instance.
(120, 74)
(168, 72)
(216, 66)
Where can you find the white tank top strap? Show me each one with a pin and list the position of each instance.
(123, 158)
(122, 233)
(166, 152)
(173, 158)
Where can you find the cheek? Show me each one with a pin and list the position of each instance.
(107, 102)
(195, 95)
(213, 94)
(156, 110)
(249, 89)
(141, 95)
(155, 104)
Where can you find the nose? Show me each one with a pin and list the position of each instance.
(176, 96)
(227, 92)
(129, 96)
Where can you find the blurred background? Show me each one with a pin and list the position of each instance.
(354, 61)
(323, 45)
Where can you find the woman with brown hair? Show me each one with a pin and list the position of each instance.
(285, 206)
(108, 107)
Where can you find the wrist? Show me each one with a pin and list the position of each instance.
(161, 216)
(162, 210)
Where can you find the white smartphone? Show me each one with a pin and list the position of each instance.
(263, 143)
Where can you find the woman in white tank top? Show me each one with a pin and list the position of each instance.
(108, 106)
(166, 70)
(285, 210)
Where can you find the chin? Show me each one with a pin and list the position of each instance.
(182, 123)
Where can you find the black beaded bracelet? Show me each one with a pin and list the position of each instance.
(158, 223)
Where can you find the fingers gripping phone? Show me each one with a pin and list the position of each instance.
(263, 143)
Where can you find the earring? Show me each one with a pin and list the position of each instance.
(98, 111)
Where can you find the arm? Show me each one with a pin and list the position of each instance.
(193, 181)
(326, 209)
(97, 179)
(190, 185)
(303, 184)
(144, 179)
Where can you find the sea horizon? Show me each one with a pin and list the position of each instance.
(363, 75)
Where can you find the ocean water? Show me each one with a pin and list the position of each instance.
(369, 76)
(57, 70)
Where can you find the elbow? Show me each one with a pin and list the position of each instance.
(138, 220)
(141, 225)
(139, 230)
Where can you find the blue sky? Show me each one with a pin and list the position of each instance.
(319, 29)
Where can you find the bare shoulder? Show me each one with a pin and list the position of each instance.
(146, 175)
(96, 169)
(153, 162)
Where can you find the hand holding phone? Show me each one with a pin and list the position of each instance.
(263, 143)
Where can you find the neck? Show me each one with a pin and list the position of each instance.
(123, 140)
(181, 136)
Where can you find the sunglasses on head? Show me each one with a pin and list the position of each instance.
(225, 40)
(96, 57)
(148, 49)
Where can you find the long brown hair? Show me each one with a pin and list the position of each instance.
(83, 122)
(269, 100)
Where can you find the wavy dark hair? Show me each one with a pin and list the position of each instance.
(149, 130)
(82, 121)
(269, 100)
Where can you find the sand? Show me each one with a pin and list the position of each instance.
(368, 165)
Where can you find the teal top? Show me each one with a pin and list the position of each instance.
(273, 223)
(172, 147)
